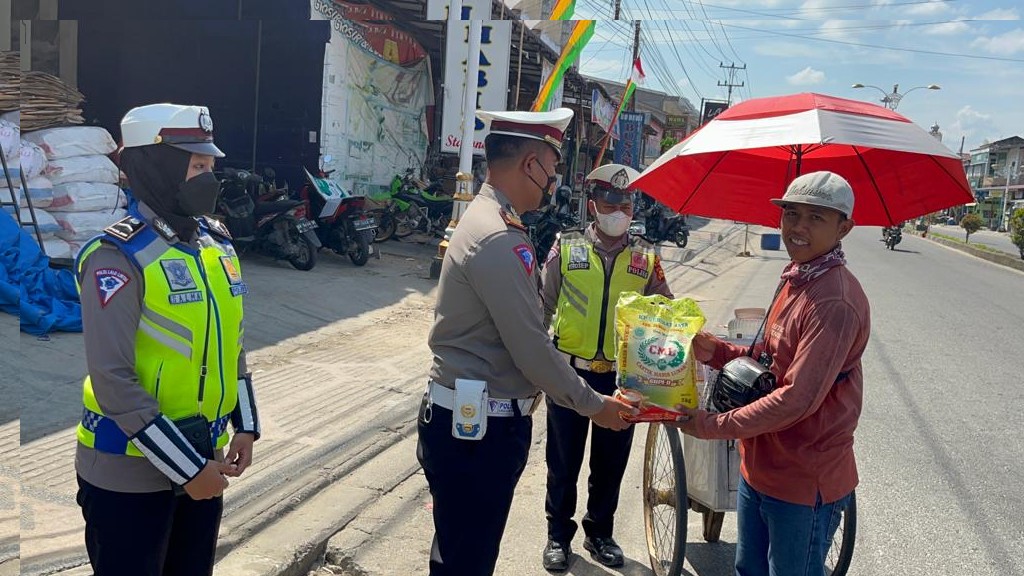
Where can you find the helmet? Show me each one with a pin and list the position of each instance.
(741, 381)
(612, 183)
(188, 128)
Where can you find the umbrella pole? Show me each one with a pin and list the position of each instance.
(746, 250)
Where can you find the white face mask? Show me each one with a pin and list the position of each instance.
(614, 224)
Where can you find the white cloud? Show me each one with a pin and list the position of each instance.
(1000, 14)
(970, 122)
(837, 30)
(948, 28)
(931, 8)
(806, 77)
(1004, 44)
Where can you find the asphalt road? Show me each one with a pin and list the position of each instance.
(939, 445)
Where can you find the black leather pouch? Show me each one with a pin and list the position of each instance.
(196, 430)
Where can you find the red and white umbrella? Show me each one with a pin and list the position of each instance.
(749, 153)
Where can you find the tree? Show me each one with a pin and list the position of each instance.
(667, 142)
(971, 223)
(1017, 227)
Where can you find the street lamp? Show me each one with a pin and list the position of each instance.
(891, 100)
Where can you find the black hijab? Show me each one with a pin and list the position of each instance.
(154, 174)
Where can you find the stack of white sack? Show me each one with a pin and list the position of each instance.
(24, 157)
(86, 198)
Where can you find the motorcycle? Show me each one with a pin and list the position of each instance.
(429, 212)
(344, 225)
(545, 224)
(265, 219)
(393, 213)
(657, 224)
(892, 236)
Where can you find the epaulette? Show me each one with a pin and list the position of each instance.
(511, 219)
(126, 228)
(217, 227)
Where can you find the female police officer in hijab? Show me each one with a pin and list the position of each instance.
(161, 295)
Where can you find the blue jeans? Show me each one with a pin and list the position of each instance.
(778, 538)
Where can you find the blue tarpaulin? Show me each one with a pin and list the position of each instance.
(45, 299)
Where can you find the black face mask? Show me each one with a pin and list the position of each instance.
(198, 195)
(545, 190)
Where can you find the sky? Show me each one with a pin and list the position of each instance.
(973, 50)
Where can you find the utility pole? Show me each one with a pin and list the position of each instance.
(636, 54)
(618, 8)
(731, 82)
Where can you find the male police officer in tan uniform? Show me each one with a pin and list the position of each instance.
(492, 354)
(583, 277)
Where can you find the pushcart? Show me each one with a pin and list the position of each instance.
(682, 473)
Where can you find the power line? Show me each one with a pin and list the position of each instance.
(863, 45)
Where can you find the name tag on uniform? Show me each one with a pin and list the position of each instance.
(469, 410)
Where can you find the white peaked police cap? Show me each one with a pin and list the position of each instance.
(612, 183)
(544, 126)
(189, 128)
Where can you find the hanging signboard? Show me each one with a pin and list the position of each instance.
(547, 68)
(602, 111)
(492, 80)
(712, 108)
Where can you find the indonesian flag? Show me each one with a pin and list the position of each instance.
(635, 78)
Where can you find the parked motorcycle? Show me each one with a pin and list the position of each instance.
(545, 224)
(429, 212)
(264, 219)
(344, 225)
(892, 236)
(394, 214)
(659, 224)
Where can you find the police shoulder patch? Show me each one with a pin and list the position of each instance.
(526, 257)
(126, 228)
(109, 281)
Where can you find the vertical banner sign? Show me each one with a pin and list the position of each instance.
(492, 81)
(628, 148)
(547, 69)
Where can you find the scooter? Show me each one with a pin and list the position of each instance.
(429, 212)
(266, 220)
(344, 225)
(659, 225)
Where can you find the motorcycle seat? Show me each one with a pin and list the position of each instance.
(264, 208)
(436, 203)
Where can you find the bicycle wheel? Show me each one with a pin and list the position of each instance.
(665, 502)
(844, 535)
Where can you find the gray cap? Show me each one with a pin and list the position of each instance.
(825, 189)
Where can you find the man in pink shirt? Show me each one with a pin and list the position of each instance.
(797, 462)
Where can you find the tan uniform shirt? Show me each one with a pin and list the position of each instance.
(552, 274)
(489, 321)
(110, 359)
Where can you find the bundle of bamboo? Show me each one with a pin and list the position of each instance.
(10, 80)
(46, 101)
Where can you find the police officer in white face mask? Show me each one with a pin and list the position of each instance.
(584, 275)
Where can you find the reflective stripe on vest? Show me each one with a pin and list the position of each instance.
(586, 301)
(192, 305)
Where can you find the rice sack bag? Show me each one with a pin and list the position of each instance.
(656, 367)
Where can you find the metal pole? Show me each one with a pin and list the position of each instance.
(465, 186)
(519, 72)
(464, 177)
(256, 111)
